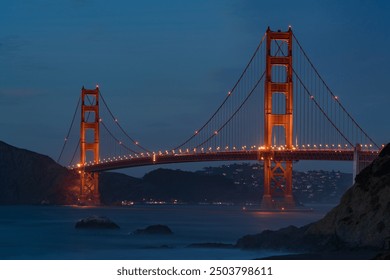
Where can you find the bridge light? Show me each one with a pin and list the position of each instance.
(216, 132)
(336, 97)
(78, 165)
(311, 97)
(136, 142)
(229, 93)
(116, 120)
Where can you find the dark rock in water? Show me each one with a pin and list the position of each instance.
(361, 220)
(96, 222)
(211, 245)
(154, 229)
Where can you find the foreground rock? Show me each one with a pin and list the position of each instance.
(360, 221)
(96, 222)
(154, 229)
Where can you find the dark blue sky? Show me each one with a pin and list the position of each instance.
(164, 66)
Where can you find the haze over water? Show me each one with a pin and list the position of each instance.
(47, 232)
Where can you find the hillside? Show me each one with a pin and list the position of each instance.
(360, 221)
(30, 178)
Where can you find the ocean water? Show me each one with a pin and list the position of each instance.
(48, 232)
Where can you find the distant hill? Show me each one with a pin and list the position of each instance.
(30, 178)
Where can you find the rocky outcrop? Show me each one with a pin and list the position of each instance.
(31, 178)
(96, 222)
(361, 220)
(154, 229)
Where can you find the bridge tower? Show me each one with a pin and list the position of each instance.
(278, 174)
(89, 189)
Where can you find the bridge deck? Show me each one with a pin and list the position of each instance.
(242, 155)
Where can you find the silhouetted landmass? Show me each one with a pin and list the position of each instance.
(169, 186)
(313, 186)
(360, 224)
(154, 230)
(96, 222)
(30, 178)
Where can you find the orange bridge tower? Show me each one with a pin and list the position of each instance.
(89, 143)
(278, 174)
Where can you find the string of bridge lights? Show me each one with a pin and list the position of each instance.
(196, 151)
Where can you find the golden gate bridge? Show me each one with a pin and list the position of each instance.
(280, 110)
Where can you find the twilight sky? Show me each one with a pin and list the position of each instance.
(164, 66)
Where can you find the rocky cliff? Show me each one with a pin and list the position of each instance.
(31, 178)
(361, 220)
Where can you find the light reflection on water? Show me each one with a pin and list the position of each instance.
(47, 232)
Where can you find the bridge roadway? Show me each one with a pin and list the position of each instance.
(241, 155)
